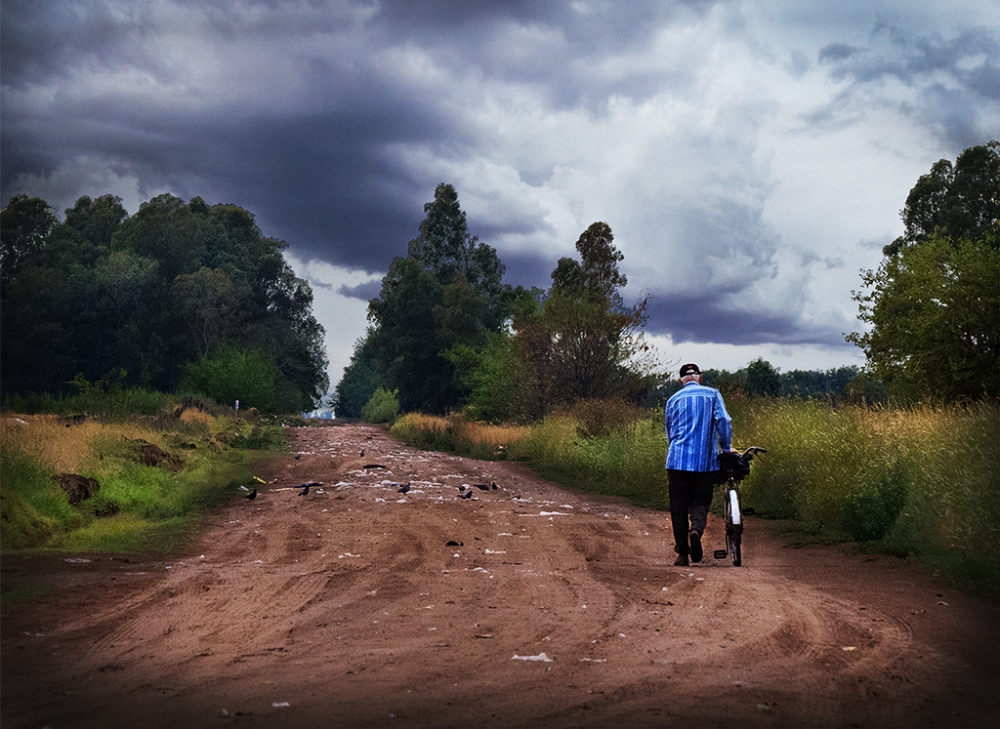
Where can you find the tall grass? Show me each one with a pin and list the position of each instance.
(919, 482)
(138, 506)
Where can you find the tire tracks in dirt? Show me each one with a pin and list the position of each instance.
(523, 606)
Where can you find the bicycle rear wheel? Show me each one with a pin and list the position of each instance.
(734, 527)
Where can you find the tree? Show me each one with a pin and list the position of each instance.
(961, 201)
(933, 303)
(103, 292)
(360, 379)
(406, 338)
(581, 341)
(935, 330)
(25, 226)
(436, 308)
(761, 378)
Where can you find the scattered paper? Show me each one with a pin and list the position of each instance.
(540, 657)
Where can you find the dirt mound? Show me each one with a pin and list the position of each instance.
(78, 488)
(528, 605)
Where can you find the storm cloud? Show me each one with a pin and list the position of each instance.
(745, 154)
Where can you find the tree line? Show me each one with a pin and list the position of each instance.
(178, 297)
(191, 297)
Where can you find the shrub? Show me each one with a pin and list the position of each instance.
(229, 374)
(383, 407)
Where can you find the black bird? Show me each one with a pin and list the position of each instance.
(404, 488)
(362, 452)
(494, 486)
(252, 495)
(466, 495)
(305, 488)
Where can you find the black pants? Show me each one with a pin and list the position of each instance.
(690, 495)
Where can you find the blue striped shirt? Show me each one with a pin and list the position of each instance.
(697, 426)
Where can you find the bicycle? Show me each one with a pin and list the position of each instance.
(734, 466)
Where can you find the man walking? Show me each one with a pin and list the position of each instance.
(697, 427)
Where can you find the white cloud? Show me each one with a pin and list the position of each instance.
(343, 317)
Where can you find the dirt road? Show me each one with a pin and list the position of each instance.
(527, 605)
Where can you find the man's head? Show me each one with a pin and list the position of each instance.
(690, 373)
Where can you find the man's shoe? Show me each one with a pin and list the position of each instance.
(695, 547)
(681, 561)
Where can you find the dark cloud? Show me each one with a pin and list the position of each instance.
(708, 317)
(836, 52)
(365, 292)
(334, 121)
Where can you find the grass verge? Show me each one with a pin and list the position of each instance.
(918, 482)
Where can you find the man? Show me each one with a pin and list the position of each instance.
(697, 427)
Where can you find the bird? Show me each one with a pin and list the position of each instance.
(252, 495)
(362, 452)
(306, 486)
(404, 488)
(494, 485)
(466, 495)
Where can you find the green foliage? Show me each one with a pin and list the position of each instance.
(102, 292)
(934, 325)
(25, 225)
(502, 386)
(761, 378)
(582, 341)
(383, 407)
(107, 399)
(138, 506)
(435, 310)
(960, 201)
(229, 374)
(360, 379)
(919, 481)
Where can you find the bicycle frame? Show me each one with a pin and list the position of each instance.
(733, 509)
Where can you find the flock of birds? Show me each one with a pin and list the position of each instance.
(464, 493)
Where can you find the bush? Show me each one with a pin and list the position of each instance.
(383, 407)
(229, 374)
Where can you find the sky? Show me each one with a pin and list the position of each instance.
(750, 157)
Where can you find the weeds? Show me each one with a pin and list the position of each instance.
(155, 474)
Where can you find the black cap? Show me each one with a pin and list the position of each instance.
(689, 369)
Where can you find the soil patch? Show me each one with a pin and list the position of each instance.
(524, 605)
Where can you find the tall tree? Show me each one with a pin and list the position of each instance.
(360, 379)
(436, 309)
(582, 339)
(933, 311)
(932, 305)
(960, 201)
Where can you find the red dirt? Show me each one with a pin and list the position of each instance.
(348, 608)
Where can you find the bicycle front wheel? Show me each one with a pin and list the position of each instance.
(734, 528)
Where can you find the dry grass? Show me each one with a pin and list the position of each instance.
(59, 447)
